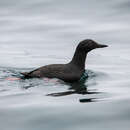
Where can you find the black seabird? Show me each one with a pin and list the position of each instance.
(71, 71)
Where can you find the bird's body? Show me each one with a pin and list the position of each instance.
(66, 72)
(70, 72)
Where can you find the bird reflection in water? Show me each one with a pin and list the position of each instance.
(77, 88)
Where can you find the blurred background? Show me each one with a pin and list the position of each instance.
(40, 28)
(34, 33)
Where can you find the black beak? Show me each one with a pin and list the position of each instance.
(102, 46)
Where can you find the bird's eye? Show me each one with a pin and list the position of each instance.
(90, 41)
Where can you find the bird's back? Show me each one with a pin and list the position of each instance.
(66, 72)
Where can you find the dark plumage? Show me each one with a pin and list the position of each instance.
(71, 71)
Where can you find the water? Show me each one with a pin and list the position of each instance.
(34, 33)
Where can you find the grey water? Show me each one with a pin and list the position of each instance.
(34, 33)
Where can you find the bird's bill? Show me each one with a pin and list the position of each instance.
(102, 45)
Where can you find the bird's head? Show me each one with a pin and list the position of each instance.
(88, 45)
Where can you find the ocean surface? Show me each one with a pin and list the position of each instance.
(34, 33)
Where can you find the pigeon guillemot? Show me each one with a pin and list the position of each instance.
(71, 71)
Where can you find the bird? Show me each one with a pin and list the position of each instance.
(69, 72)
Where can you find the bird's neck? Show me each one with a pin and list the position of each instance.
(79, 59)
